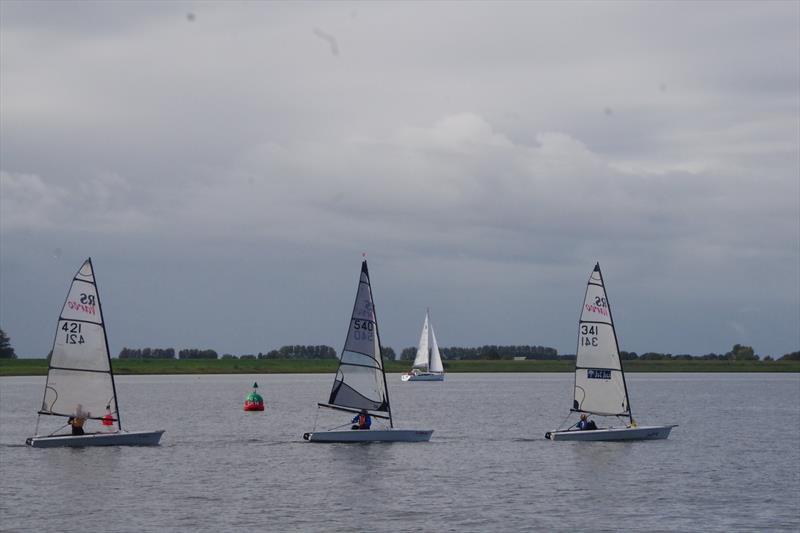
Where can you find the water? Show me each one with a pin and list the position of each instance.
(731, 465)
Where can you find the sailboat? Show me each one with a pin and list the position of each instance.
(600, 387)
(428, 362)
(80, 381)
(360, 382)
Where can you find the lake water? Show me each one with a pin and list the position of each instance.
(733, 464)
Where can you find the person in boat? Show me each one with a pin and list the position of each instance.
(77, 420)
(584, 423)
(362, 420)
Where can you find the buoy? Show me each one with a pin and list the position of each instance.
(108, 418)
(254, 401)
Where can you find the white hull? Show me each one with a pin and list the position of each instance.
(371, 435)
(133, 438)
(426, 376)
(612, 434)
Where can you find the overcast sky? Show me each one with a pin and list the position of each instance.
(226, 164)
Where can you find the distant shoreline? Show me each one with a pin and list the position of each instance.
(38, 367)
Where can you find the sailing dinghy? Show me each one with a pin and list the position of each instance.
(428, 362)
(360, 382)
(600, 387)
(80, 382)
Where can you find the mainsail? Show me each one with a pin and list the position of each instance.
(79, 378)
(421, 359)
(599, 380)
(360, 382)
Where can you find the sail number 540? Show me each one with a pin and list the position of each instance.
(363, 329)
(363, 324)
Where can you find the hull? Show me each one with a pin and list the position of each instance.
(371, 435)
(612, 434)
(426, 376)
(133, 438)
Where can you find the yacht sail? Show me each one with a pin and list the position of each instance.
(79, 377)
(436, 358)
(421, 359)
(360, 382)
(599, 380)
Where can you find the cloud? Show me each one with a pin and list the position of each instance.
(103, 204)
(470, 188)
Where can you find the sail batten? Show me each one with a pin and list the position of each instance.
(360, 381)
(79, 378)
(599, 379)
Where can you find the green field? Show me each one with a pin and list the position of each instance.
(36, 367)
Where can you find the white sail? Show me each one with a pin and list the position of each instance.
(599, 380)
(360, 382)
(421, 360)
(436, 358)
(79, 378)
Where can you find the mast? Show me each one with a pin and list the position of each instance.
(108, 352)
(430, 328)
(616, 342)
(380, 346)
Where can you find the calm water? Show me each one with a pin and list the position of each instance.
(733, 464)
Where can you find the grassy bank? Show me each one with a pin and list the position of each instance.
(35, 367)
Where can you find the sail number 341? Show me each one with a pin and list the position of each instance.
(589, 335)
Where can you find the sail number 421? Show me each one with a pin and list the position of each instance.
(72, 333)
(589, 335)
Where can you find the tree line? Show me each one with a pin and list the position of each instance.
(147, 353)
(284, 352)
(298, 351)
(294, 351)
(489, 352)
(739, 352)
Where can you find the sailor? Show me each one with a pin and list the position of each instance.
(77, 420)
(362, 420)
(583, 423)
